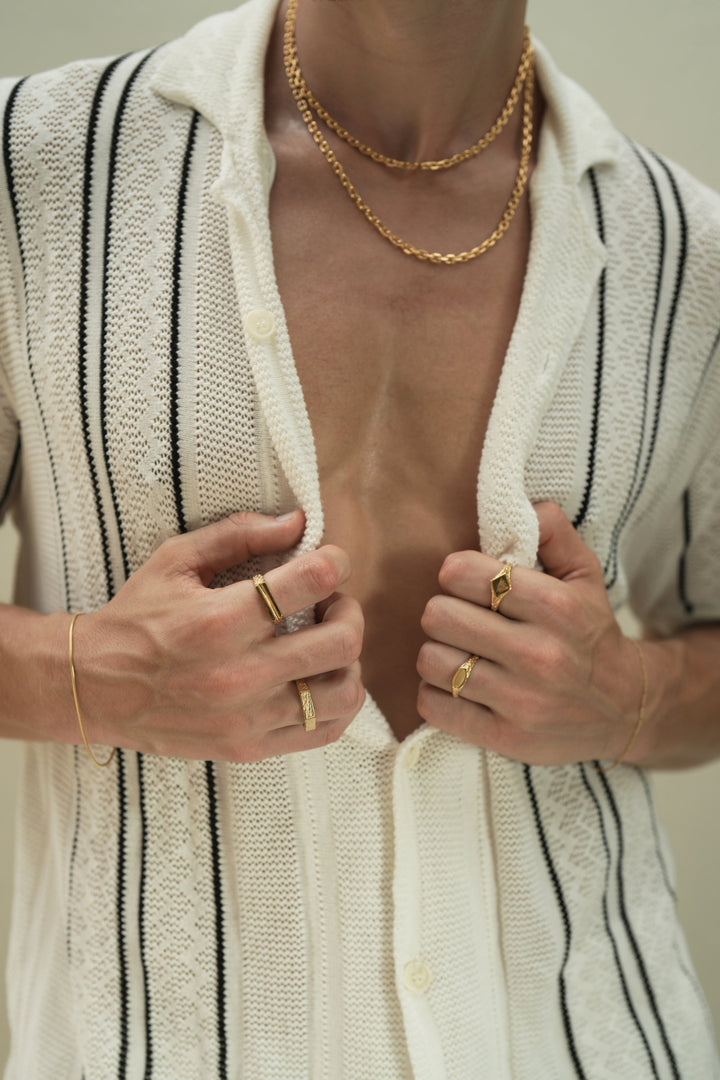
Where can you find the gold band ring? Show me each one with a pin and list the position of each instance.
(462, 675)
(261, 585)
(308, 706)
(500, 586)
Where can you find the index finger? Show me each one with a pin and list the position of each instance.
(467, 575)
(302, 582)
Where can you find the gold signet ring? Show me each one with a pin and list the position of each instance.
(462, 675)
(308, 706)
(500, 586)
(261, 585)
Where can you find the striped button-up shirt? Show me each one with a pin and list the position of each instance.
(375, 910)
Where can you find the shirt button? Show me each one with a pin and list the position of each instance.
(259, 324)
(412, 756)
(417, 976)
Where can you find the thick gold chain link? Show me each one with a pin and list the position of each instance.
(321, 142)
(297, 82)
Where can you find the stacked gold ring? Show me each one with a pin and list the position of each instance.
(462, 675)
(307, 704)
(306, 701)
(500, 586)
(262, 587)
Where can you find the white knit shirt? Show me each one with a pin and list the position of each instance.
(373, 910)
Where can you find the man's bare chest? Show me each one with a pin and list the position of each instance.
(399, 363)
(397, 359)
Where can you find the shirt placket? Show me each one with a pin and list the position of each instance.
(448, 965)
(413, 966)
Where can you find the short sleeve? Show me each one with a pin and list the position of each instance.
(678, 580)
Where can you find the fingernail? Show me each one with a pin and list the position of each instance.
(284, 517)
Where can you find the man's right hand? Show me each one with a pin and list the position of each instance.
(170, 666)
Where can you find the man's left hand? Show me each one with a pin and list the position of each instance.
(557, 681)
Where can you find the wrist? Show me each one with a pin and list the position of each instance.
(36, 692)
(665, 662)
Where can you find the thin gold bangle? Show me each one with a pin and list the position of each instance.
(641, 714)
(100, 764)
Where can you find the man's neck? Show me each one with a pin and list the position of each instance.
(415, 79)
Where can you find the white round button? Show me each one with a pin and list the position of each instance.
(412, 756)
(259, 324)
(417, 976)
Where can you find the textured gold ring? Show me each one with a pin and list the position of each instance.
(462, 675)
(261, 585)
(308, 706)
(500, 586)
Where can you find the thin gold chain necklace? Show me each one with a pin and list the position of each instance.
(321, 142)
(297, 81)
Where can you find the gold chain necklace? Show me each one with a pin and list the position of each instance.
(408, 249)
(297, 81)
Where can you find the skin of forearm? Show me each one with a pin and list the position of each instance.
(682, 727)
(35, 692)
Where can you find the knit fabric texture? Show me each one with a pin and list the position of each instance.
(372, 910)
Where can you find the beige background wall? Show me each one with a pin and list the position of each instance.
(653, 65)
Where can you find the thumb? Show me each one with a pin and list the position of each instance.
(561, 550)
(232, 540)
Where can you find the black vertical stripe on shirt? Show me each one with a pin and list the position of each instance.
(642, 969)
(669, 327)
(687, 604)
(107, 241)
(599, 361)
(5, 495)
(682, 219)
(175, 326)
(219, 922)
(123, 959)
(610, 568)
(121, 942)
(557, 888)
(141, 918)
(12, 191)
(73, 854)
(88, 197)
(608, 929)
(656, 836)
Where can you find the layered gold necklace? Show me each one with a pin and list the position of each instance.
(308, 104)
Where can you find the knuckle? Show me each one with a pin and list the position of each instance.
(425, 661)
(171, 550)
(424, 701)
(320, 574)
(561, 603)
(551, 660)
(207, 625)
(431, 616)
(349, 644)
(350, 696)
(242, 519)
(453, 566)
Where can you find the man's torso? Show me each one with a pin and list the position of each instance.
(399, 361)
